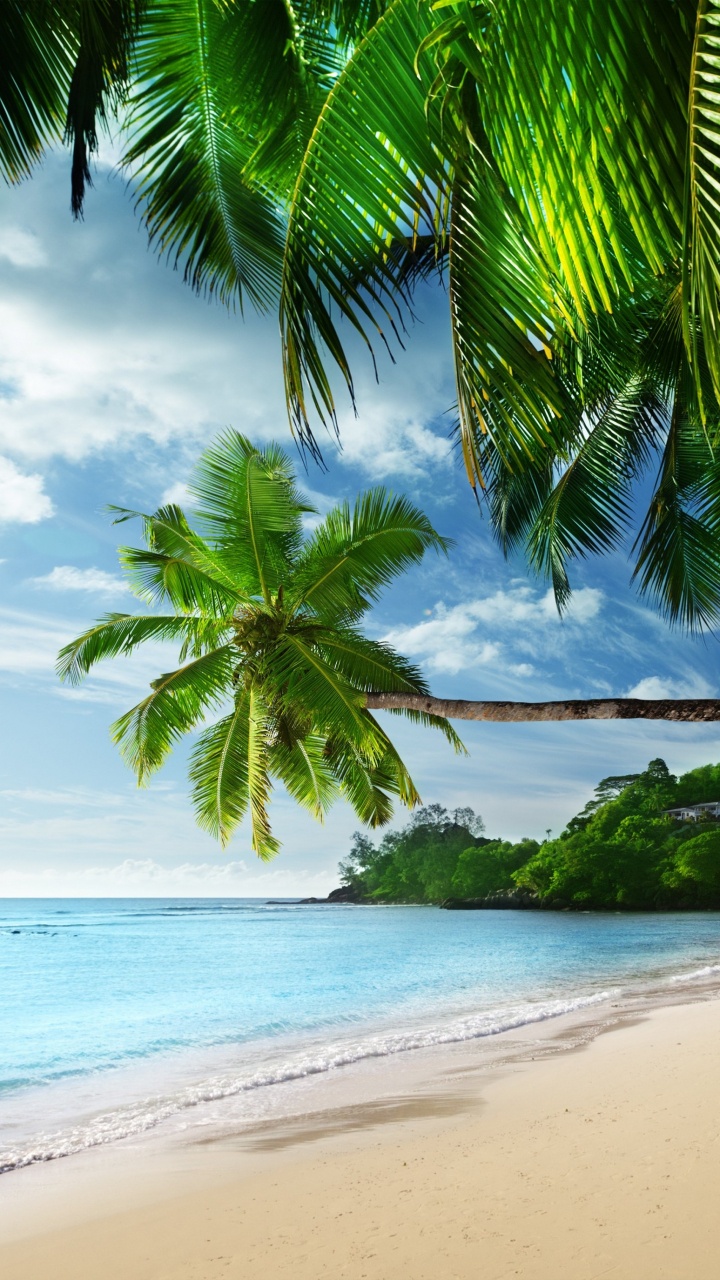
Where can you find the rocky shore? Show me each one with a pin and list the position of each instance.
(344, 896)
(508, 899)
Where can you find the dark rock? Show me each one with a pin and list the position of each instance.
(339, 897)
(345, 893)
(506, 900)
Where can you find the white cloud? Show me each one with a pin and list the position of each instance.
(132, 870)
(456, 639)
(84, 383)
(89, 692)
(176, 494)
(29, 645)
(21, 248)
(83, 797)
(144, 877)
(385, 440)
(67, 577)
(22, 499)
(666, 687)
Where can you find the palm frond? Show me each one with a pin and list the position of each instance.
(701, 240)
(589, 508)
(36, 59)
(677, 565)
(105, 32)
(433, 722)
(355, 552)
(121, 633)
(250, 507)
(218, 772)
(259, 785)
(212, 81)
(370, 180)
(180, 566)
(295, 674)
(369, 664)
(572, 95)
(370, 785)
(179, 702)
(504, 309)
(304, 770)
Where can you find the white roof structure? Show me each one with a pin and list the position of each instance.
(691, 812)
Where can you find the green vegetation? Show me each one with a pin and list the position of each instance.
(266, 619)
(620, 852)
(558, 164)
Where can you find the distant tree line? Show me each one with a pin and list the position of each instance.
(621, 852)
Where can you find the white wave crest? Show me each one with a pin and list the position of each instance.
(706, 972)
(136, 1119)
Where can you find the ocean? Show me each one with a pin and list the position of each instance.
(120, 1017)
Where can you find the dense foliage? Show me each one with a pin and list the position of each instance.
(621, 852)
(557, 165)
(436, 855)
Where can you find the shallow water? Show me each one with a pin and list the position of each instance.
(117, 1016)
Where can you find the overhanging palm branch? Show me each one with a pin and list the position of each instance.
(544, 164)
(558, 162)
(266, 621)
(216, 86)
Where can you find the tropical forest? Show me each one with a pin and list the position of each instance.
(623, 851)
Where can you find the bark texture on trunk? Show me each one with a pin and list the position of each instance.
(691, 710)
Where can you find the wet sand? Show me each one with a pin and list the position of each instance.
(572, 1166)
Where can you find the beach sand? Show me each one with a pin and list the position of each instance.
(599, 1162)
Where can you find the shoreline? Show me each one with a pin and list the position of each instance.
(439, 1107)
(175, 1095)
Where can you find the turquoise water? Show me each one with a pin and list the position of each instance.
(116, 1014)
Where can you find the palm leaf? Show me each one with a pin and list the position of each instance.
(677, 565)
(297, 676)
(179, 565)
(701, 255)
(259, 784)
(121, 633)
(249, 505)
(504, 310)
(369, 664)
(179, 702)
(219, 772)
(36, 58)
(369, 786)
(304, 770)
(433, 722)
(589, 508)
(206, 72)
(572, 95)
(370, 179)
(105, 32)
(356, 552)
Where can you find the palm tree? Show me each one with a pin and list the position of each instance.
(267, 622)
(275, 673)
(558, 165)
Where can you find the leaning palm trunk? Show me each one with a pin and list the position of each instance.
(689, 710)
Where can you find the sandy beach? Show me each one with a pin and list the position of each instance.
(600, 1161)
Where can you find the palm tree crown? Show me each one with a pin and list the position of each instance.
(558, 164)
(273, 661)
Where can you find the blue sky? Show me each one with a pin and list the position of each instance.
(113, 376)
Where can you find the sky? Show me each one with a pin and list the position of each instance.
(113, 376)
